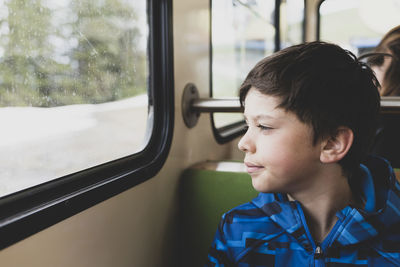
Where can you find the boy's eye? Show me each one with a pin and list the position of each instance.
(263, 127)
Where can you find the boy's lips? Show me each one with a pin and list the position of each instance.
(252, 168)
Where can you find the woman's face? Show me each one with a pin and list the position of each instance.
(381, 70)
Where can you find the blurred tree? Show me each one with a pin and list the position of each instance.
(110, 66)
(23, 68)
(90, 56)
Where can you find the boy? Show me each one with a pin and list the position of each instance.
(311, 111)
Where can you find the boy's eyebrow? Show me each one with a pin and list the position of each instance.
(264, 116)
(261, 116)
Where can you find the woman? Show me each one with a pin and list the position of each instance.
(386, 65)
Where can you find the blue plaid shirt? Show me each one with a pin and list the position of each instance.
(271, 230)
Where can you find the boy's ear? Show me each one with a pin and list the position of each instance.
(336, 147)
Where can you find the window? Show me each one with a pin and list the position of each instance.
(357, 25)
(73, 87)
(244, 32)
(86, 90)
(291, 22)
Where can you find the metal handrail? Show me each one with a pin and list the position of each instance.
(203, 105)
(390, 101)
(216, 105)
(193, 106)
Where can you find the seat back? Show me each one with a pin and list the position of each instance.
(205, 195)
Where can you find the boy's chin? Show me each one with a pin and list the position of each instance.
(264, 188)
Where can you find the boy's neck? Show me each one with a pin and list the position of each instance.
(322, 201)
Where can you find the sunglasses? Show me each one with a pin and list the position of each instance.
(374, 59)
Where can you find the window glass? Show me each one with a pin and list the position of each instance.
(357, 25)
(73, 86)
(291, 16)
(243, 33)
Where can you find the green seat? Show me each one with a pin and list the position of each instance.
(205, 196)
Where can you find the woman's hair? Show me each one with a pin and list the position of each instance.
(390, 44)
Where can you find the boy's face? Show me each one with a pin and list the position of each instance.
(280, 155)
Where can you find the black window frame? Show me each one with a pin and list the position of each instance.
(29, 211)
(318, 31)
(231, 131)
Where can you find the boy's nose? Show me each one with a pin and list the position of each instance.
(245, 143)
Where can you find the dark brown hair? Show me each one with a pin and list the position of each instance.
(326, 87)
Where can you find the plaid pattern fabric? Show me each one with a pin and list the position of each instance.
(271, 230)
